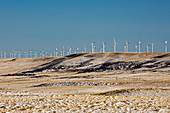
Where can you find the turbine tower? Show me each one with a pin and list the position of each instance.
(4, 54)
(63, 50)
(92, 47)
(147, 48)
(103, 45)
(139, 45)
(70, 50)
(1, 55)
(14, 54)
(46, 53)
(30, 53)
(166, 48)
(19, 54)
(77, 50)
(35, 54)
(56, 52)
(124, 48)
(152, 46)
(127, 47)
(10, 54)
(114, 45)
(61, 53)
(84, 49)
(25, 54)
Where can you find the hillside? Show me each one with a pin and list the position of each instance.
(88, 62)
(103, 81)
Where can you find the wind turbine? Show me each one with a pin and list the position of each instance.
(147, 49)
(25, 54)
(61, 53)
(42, 54)
(114, 45)
(46, 54)
(152, 45)
(56, 52)
(103, 46)
(1, 55)
(166, 48)
(14, 54)
(19, 54)
(92, 47)
(4, 54)
(70, 50)
(10, 54)
(35, 54)
(63, 50)
(77, 50)
(127, 46)
(139, 45)
(84, 49)
(30, 53)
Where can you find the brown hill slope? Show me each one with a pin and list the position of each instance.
(88, 62)
(94, 62)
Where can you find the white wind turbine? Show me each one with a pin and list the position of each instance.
(77, 50)
(19, 54)
(152, 45)
(56, 53)
(69, 50)
(63, 50)
(114, 46)
(35, 54)
(127, 46)
(92, 47)
(30, 53)
(61, 53)
(46, 54)
(25, 54)
(147, 49)
(10, 54)
(4, 54)
(84, 49)
(14, 54)
(166, 48)
(103, 46)
(139, 45)
(1, 55)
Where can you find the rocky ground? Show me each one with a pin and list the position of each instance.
(99, 82)
(26, 102)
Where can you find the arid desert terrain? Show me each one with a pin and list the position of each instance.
(87, 82)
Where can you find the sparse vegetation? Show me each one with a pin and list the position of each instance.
(24, 89)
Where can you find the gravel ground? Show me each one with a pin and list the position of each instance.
(73, 84)
(29, 102)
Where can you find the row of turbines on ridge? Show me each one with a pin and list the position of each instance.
(35, 54)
